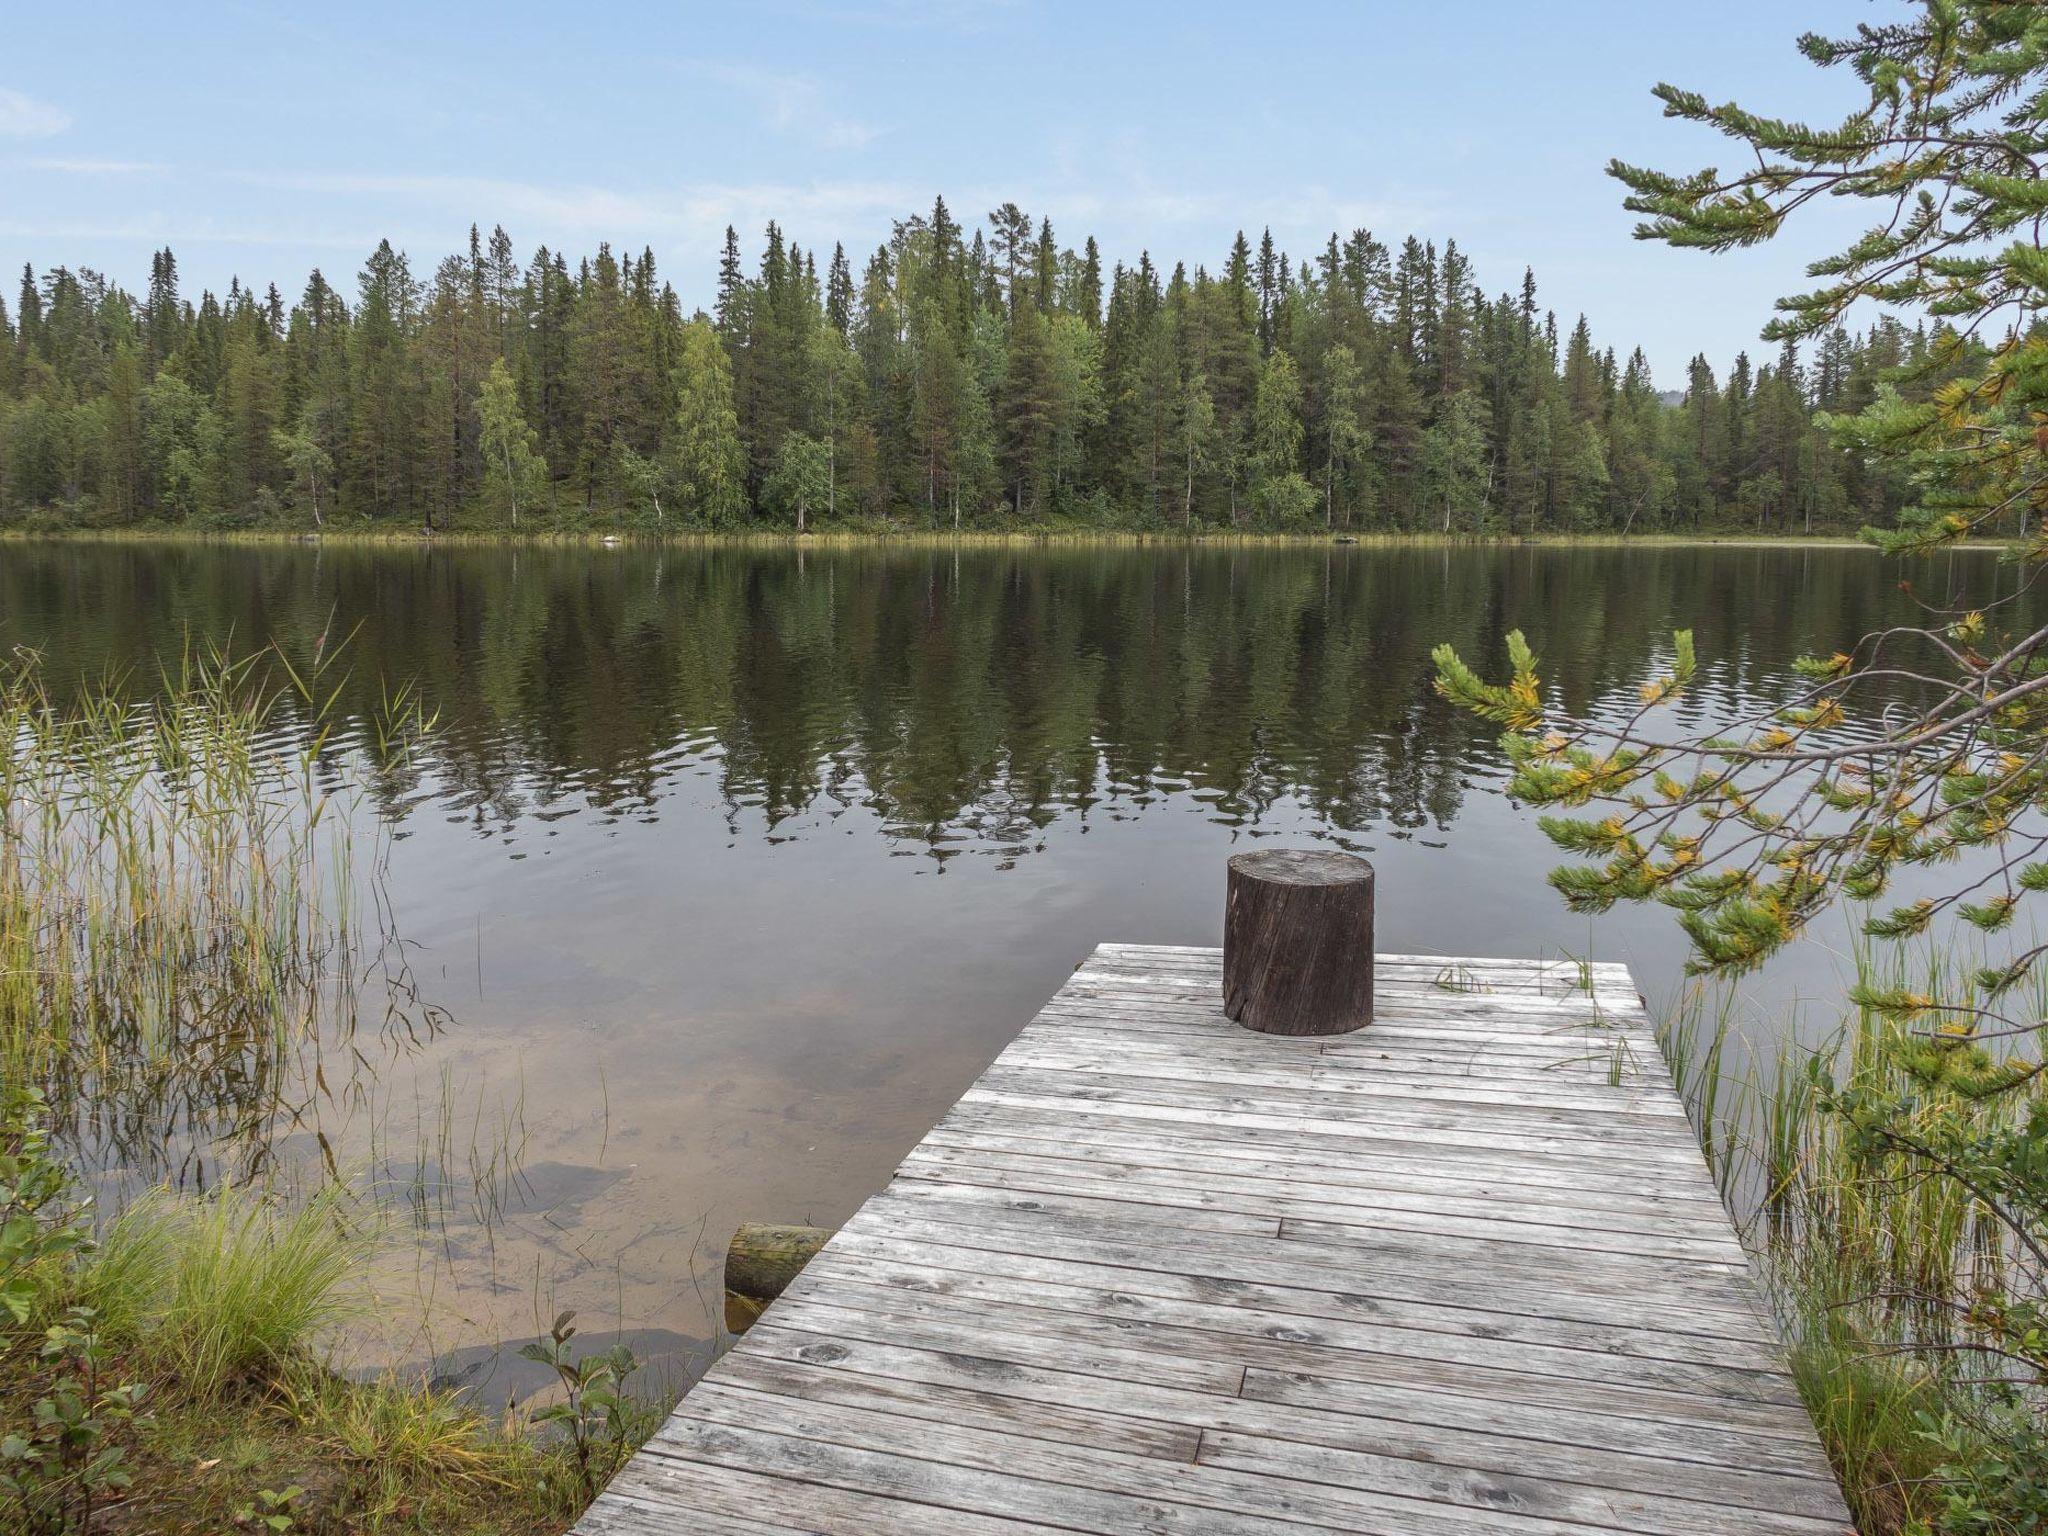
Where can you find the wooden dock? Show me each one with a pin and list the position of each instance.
(1463, 1271)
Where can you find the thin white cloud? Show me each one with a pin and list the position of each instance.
(1128, 210)
(558, 212)
(797, 105)
(175, 232)
(87, 167)
(1317, 212)
(1108, 182)
(961, 16)
(489, 199)
(24, 117)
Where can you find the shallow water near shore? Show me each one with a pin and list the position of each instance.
(723, 871)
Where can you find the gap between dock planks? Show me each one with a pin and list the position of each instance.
(1462, 1273)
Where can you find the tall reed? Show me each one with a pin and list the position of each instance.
(1873, 1258)
(181, 902)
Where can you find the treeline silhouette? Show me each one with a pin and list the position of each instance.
(984, 378)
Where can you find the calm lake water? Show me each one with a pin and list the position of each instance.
(724, 871)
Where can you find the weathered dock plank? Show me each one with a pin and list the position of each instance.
(1462, 1273)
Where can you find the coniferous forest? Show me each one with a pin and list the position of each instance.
(957, 378)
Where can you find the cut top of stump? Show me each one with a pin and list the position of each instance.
(1302, 866)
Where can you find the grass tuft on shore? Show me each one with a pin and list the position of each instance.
(198, 1329)
(214, 1292)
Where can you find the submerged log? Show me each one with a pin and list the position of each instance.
(760, 1261)
(1297, 942)
(740, 1312)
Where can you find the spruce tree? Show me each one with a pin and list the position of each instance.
(839, 294)
(947, 376)
(1269, 284)
(1088, 289)
(732, 282)
(162, 318)
(1045, 270)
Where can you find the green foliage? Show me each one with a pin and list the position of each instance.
(307, 461)
(710, 460)
(514, 471)
(1455, 464)
(1285, 501)
(212, 1310)
(1517, 704)
(190, 1289)
(127, 891)
(1913, 1187)
(222, 1290)
(53, 1471)
(271, 1509)
(594, 1414)
(1945, 151)
(40, 1224)
(801, 481)
(1992, 1474)
(57, 1464)
(953, 380)
(1869, 1405)
(1276, 418)
(1882, 1252)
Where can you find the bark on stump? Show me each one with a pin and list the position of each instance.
(760, 1261)
(1297, 942)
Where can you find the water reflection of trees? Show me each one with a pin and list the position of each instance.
(968, 697)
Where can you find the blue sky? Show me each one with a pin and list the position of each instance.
(263, 140)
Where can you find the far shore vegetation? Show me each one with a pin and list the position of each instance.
(863, 534)
(968, 373)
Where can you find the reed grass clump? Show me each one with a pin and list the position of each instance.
(188, 925)
(220, 1290)
(182, 901)
(203, 1322)
(1889, 1269)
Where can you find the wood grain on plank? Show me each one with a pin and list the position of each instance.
(1460, 1273)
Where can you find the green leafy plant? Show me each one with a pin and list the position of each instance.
(271, 1509)
(1993, 1476)
(59, 1467)
(594, 1413)
(39, 1223)
(54, 1468)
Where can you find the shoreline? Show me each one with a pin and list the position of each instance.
(857, 538)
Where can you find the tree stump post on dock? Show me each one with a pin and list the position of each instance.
(1297, 942)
